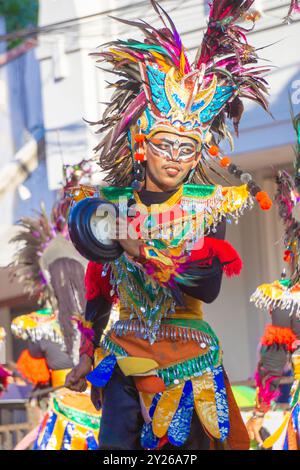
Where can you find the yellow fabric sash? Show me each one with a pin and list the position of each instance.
(191, 311)
(58, 377)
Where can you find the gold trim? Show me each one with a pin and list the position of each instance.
(172, 201)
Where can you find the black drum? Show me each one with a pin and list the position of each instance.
(92, 223)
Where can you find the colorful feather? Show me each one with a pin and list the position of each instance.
(294, 8)
(34, 237)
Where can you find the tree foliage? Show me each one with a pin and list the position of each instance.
(19, 14)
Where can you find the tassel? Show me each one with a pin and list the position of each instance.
(280, 336)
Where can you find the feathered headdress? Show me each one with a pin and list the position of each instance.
(158, 88)
(34, 237)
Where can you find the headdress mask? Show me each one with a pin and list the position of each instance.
(158, 89)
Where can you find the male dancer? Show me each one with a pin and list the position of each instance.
(160, 367)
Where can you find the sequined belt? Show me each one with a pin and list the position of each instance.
(169, 330)
(199, 352)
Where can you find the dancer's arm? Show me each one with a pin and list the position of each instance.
(208, 289)
(99, 302)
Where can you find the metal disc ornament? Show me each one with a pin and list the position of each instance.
(92, 228)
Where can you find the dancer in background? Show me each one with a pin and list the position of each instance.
(280, 343)
(53, 272)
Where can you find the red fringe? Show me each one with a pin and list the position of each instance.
(34, 370)
(228, 256)
(95, 284)
(279, 335)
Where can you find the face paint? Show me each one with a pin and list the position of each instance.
(173, 150)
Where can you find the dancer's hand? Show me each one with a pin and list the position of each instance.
(253, 426)
(76, 380)
(130, 245)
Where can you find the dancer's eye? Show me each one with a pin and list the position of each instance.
(187, 150)
(163, 146)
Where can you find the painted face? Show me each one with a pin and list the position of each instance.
(170, 158)
(176, 150)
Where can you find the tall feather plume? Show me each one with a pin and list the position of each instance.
(34, 236)
(226, 52)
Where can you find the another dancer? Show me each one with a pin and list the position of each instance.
(53, 272)
(280, 343)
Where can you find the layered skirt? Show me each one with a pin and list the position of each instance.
(70, 423)
(181, 373)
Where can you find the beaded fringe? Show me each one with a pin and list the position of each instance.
(174, 333)
(38, 333)
(107, 345)
(264, 302)
(213, 208)
(172, 375)
(195, 367)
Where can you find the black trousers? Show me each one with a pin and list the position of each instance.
(122, 420)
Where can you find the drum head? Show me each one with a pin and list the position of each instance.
(92, 227)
